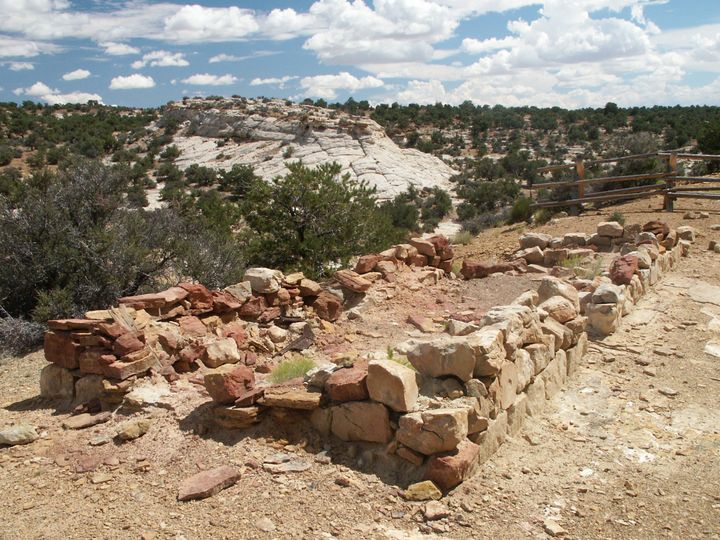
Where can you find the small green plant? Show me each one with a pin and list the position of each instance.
(288, 152)
(463, 238)
(542, 216)
(291, 369)
(402, 360)
(617, 216)
(456, 267)
(572, 262)
(521, 210)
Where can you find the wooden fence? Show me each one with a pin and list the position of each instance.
(666, 183)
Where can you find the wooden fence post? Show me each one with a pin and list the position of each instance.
(670, 181)
(580, 170)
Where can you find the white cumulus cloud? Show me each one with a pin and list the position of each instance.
(118, 49)
(132, 82)
(54, 97)
(278, 81)
(161, 59)
(194, 23)
(206, 79)
(76, 75)
(326, 86)
(21, 66)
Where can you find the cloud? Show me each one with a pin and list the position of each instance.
(192, 24)
(161, 59)
(206, 79)
(20, 66)
(222, 57)
(279, 81)
(10, 46)
(118, 49)
(76, 75)
(326, 86)
(55, 97)
(132, 82)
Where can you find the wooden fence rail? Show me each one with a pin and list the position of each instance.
(668, 188)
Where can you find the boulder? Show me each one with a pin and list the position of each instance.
(352, 280)
(191, 326)
(657, 228)
(327, 306)
(392, 384)
(61, 350)
(229, 383)
(207, 483)
(540, 356)
(433, 431)
(473, 269)
(531, 255)
(603, 318)
(264, 280)
(607, 293)
(18, 434)
(444, 356)
(575, 239)
(623, 269)
(367, 263)
(562, 334)
(361, 421)
(449, 470)
(686, 232)
(554, 256)
(610, 229)
(424, 247)
(530, 240)
(348, 384)
(559, 308)
(56, 383)
(308, 287)
(551, 286)
(199, 296)
(221, 351)
(241, 291)
(528, 299)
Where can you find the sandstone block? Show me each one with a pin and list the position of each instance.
(264, 280)
(56, 383)
(327, 306)
(503, 389)
(221, 351)
(559, 308)
(623, 269)
(290, 397)
(207, 483)
(361, 421)
(229, 383)
(347, 384)
(551, 286)
(444, 356)
(530, 240)
(392, 384)
(604, 319)
(611, 229)
(433, 431)
(424, 247)
(607, 293)
(352, 280)
(449, 470)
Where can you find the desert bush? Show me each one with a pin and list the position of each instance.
(312, 218)
(521, 210)
(617, 216)
(19, 336)
(479, 222)
(542, 216)
(463, 238)
(6, 155)
(291, 369)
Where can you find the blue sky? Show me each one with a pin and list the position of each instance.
(570, 53)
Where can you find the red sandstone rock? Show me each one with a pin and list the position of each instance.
(223, 302)
(349, 384)
(472, 269)
(366, 263)
(199, 296)
(418, 260)
(657, 228)
(249, 397)
(442, 247)
(270, 314)
(352, 280)
(424, 247)
(127, 343)
(446, 266)
(253, 308)
(72, 324)
(448, 471)
(173, 295)
(623, 269)
(227, 385)
(112, 330)
(207, 483)
(192, 326)
(61, 350)
(327, 306)
(192, 353)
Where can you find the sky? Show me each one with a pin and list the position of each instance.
(567, 53)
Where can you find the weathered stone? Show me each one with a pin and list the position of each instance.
(559, 308)
(540, 356)
(686, 232)
(291, 397)
(531, 255)
(392, 384)
(503, 389)
(228, 383)
(133, 429)
(551, 286)
(433, 431)
(308, 287)
(221, 351)
(529, 240)
(525, 369)
(424, 247)
(574, 239)
(56, 383)
(478, 410)
(285, 463)
(86, 420)
(528, 299)
(199, 296)
(563, 335)
(352, 280)
(60, 349)
(536, 401)
(327, 306)
(623, 269)
(554, 256)
(241, 291)
(18, 434)
(448, 471)
(422, 491)
(444, 356)
(127, 343)
(207, 483)
(348, 384)
(171, 296)
(405, 252)
(460, 328)
(516, 414)
(474, 269)
(130, 365)
(366, 263)
(607, 293)
(611, 229)
(235, 417)
(361, 421)
(488, 350)
(264, 280)
(657, 228)
(317, 376)
(492, 438)
(603, 318)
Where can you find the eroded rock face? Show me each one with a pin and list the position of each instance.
(313, 134)
(392, 384)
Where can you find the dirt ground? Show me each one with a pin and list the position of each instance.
(630, 449)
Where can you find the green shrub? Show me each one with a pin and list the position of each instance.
(542, 216)
(291, 369)
(617, 216)
(463, 238)
(521, 210)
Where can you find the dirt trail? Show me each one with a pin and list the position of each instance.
(630, 449)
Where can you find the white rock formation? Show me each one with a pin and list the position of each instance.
(266, 135)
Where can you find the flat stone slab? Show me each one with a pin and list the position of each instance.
(86, 420)
(284, 463)
(207, 483)
(291, 398)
